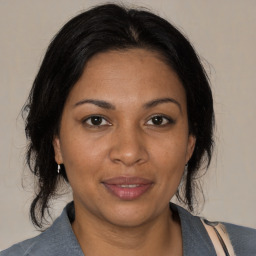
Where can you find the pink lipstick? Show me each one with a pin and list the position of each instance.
(127, 188)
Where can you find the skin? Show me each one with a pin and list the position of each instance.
(127, 142)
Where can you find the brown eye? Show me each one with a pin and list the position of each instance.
(96, 121)
(159, 120)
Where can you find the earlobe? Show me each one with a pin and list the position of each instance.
(57, 151)
(190, 147)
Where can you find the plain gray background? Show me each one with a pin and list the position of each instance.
(223, 33)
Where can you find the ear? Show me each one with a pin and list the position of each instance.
(190, 146)
(57, 151)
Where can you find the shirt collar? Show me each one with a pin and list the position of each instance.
(60, 239)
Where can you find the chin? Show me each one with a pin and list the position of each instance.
(130, 215)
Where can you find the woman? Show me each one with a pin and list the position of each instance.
(122, 110)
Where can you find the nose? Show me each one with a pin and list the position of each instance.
(128, 147)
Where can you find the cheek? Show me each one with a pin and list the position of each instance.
(169, 159)
(170, 152)
(82, 159)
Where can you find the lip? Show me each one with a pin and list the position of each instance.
(127, 188)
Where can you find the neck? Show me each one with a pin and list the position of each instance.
(161, 236)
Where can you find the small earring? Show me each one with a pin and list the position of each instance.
(58, 170)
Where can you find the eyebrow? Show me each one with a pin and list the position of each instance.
(107, 105)
(156, 102)
(99, 103)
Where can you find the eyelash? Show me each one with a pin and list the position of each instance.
(91, 125)
(167, 121)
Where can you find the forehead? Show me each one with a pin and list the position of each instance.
(137, 74)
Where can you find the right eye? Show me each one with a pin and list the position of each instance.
(96, 121)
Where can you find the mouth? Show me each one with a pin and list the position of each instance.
(127, 188)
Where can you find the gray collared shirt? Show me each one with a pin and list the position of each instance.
(59, 239)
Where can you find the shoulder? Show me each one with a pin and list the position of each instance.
(22, 248)
(56, 240)
(195, 237)
(36, 246)
(242, 238)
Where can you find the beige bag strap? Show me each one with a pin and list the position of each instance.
(219, 237)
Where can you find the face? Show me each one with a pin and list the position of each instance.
(124, 138)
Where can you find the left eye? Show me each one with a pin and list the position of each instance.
(159, 120)
(96, 121)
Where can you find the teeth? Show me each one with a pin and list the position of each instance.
(129, 186)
